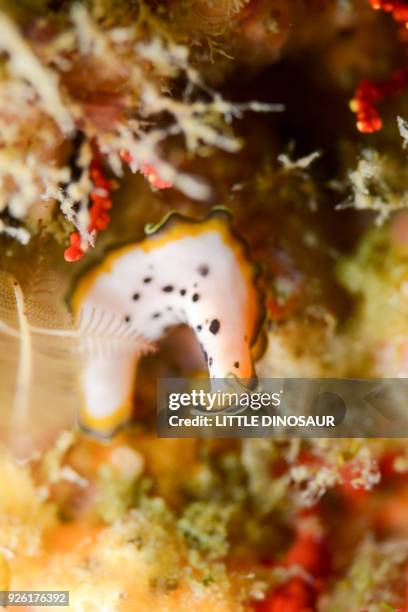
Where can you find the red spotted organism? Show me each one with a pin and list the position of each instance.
(100, 202)
(370, 93)
(191, 272)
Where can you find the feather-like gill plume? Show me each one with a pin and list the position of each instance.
(24, 370)
(41, 351)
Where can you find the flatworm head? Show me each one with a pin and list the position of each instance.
(184, 271)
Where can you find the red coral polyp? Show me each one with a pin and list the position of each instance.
(295, 595)
(149, 172)
(74, 252)
(369, 93)
(399, 10)
(310, 554)
(100, 204)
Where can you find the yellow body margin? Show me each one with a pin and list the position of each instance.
(110, 424)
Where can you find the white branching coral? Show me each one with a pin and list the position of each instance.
(24, 64)
(18, 233)
(379, 184)
(311, 481)
(379, 181)
(373, 578)
(403, 130)
(113, 87)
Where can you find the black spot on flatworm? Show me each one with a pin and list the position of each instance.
(135, 296)
(156, 315)
(127, 318)
(236, 364)
(204, 270)
(215, 326)
(148, 279)
(199, 327)
(210, 361)
(195, 297)
(183, 292)
(168, 288)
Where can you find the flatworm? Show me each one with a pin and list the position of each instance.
(183, 252)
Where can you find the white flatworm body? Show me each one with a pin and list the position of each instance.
(189, 272)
